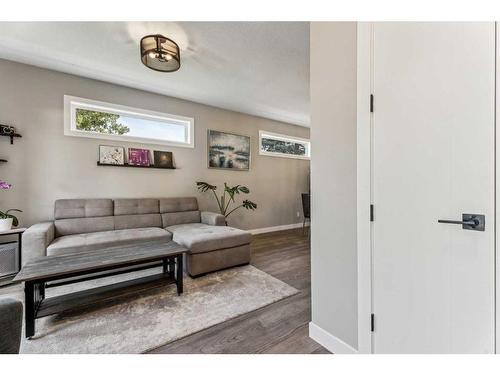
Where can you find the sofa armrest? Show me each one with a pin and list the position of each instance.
(211, 218)
(36, 239)
(11, 324)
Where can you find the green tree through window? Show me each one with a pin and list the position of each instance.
(99, 122)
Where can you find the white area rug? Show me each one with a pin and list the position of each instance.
(155, 317)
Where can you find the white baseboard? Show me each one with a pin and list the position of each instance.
(330, 342)
(276, 228)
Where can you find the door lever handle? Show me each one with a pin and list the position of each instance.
(469, 222)
(466, 222)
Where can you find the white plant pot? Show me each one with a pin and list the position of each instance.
(5, 224)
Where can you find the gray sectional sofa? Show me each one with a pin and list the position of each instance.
(92, 224)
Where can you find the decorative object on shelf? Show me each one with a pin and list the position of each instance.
(112, 155)
(9, 131)
(160, 53)
(227, 197)
(228, 151)
(163, 159)
(138, 156)
(3, 161)
(7, 220)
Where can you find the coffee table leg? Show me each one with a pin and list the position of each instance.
(29, 308)
(178, 279)
(171, 267)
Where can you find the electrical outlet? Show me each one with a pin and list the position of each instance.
(298, 213)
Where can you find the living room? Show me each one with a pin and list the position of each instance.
(227, 164)
(206, 179)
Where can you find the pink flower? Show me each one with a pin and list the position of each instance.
(4, 185)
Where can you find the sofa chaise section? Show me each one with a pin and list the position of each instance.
(211, 244)
(212, 247)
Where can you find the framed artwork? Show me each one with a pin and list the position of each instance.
(228, 151)
(114, 155)
(138, 156)
(163, 159)
(273, 144)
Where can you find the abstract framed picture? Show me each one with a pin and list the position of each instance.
(113, 155)
(139, 156)
(228, 151)
(163, 159)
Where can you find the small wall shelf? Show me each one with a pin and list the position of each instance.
(12, 136)
(132, 166)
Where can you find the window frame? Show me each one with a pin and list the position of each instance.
(287, 138)
(72, 103)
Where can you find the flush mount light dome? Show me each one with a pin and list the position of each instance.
(160, 53)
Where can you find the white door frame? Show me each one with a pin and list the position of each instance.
(497, 192)
(364, 179)
(364, 191)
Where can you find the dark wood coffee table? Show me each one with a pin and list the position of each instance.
(43, 273)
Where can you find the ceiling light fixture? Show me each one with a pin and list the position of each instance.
(160, 53)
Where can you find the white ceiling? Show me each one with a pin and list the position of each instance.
(260, 68)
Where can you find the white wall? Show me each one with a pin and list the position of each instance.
(333, 182)
(44, 165)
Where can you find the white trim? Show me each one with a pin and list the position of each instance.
(283, 137)
(497, 192)
(71, 103)
(276, 228)
(330, 342)
(364, 196)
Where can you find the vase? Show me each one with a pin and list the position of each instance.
(5, 224)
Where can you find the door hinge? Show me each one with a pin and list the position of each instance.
(371, 103)
(372, 218)
(372, 323)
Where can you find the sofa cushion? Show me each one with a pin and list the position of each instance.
(66, 227)
(136, 206)
(176, 218)
(77, 208)
(137, 221)
(201, 238)
(101, 240)
(178, 204)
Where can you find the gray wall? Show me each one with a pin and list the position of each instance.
(333, 178)
(45, 165)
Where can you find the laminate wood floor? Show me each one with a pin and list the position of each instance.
(281, 327)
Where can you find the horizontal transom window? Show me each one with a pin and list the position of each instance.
(272, 144)
(94, 119)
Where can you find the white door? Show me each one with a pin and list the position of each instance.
(433, 158)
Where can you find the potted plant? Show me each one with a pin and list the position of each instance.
(7, 220)
(229, 192)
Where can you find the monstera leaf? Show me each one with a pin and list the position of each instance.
(232, 191)
(249, 205)
(204, 186)
(243, 189)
